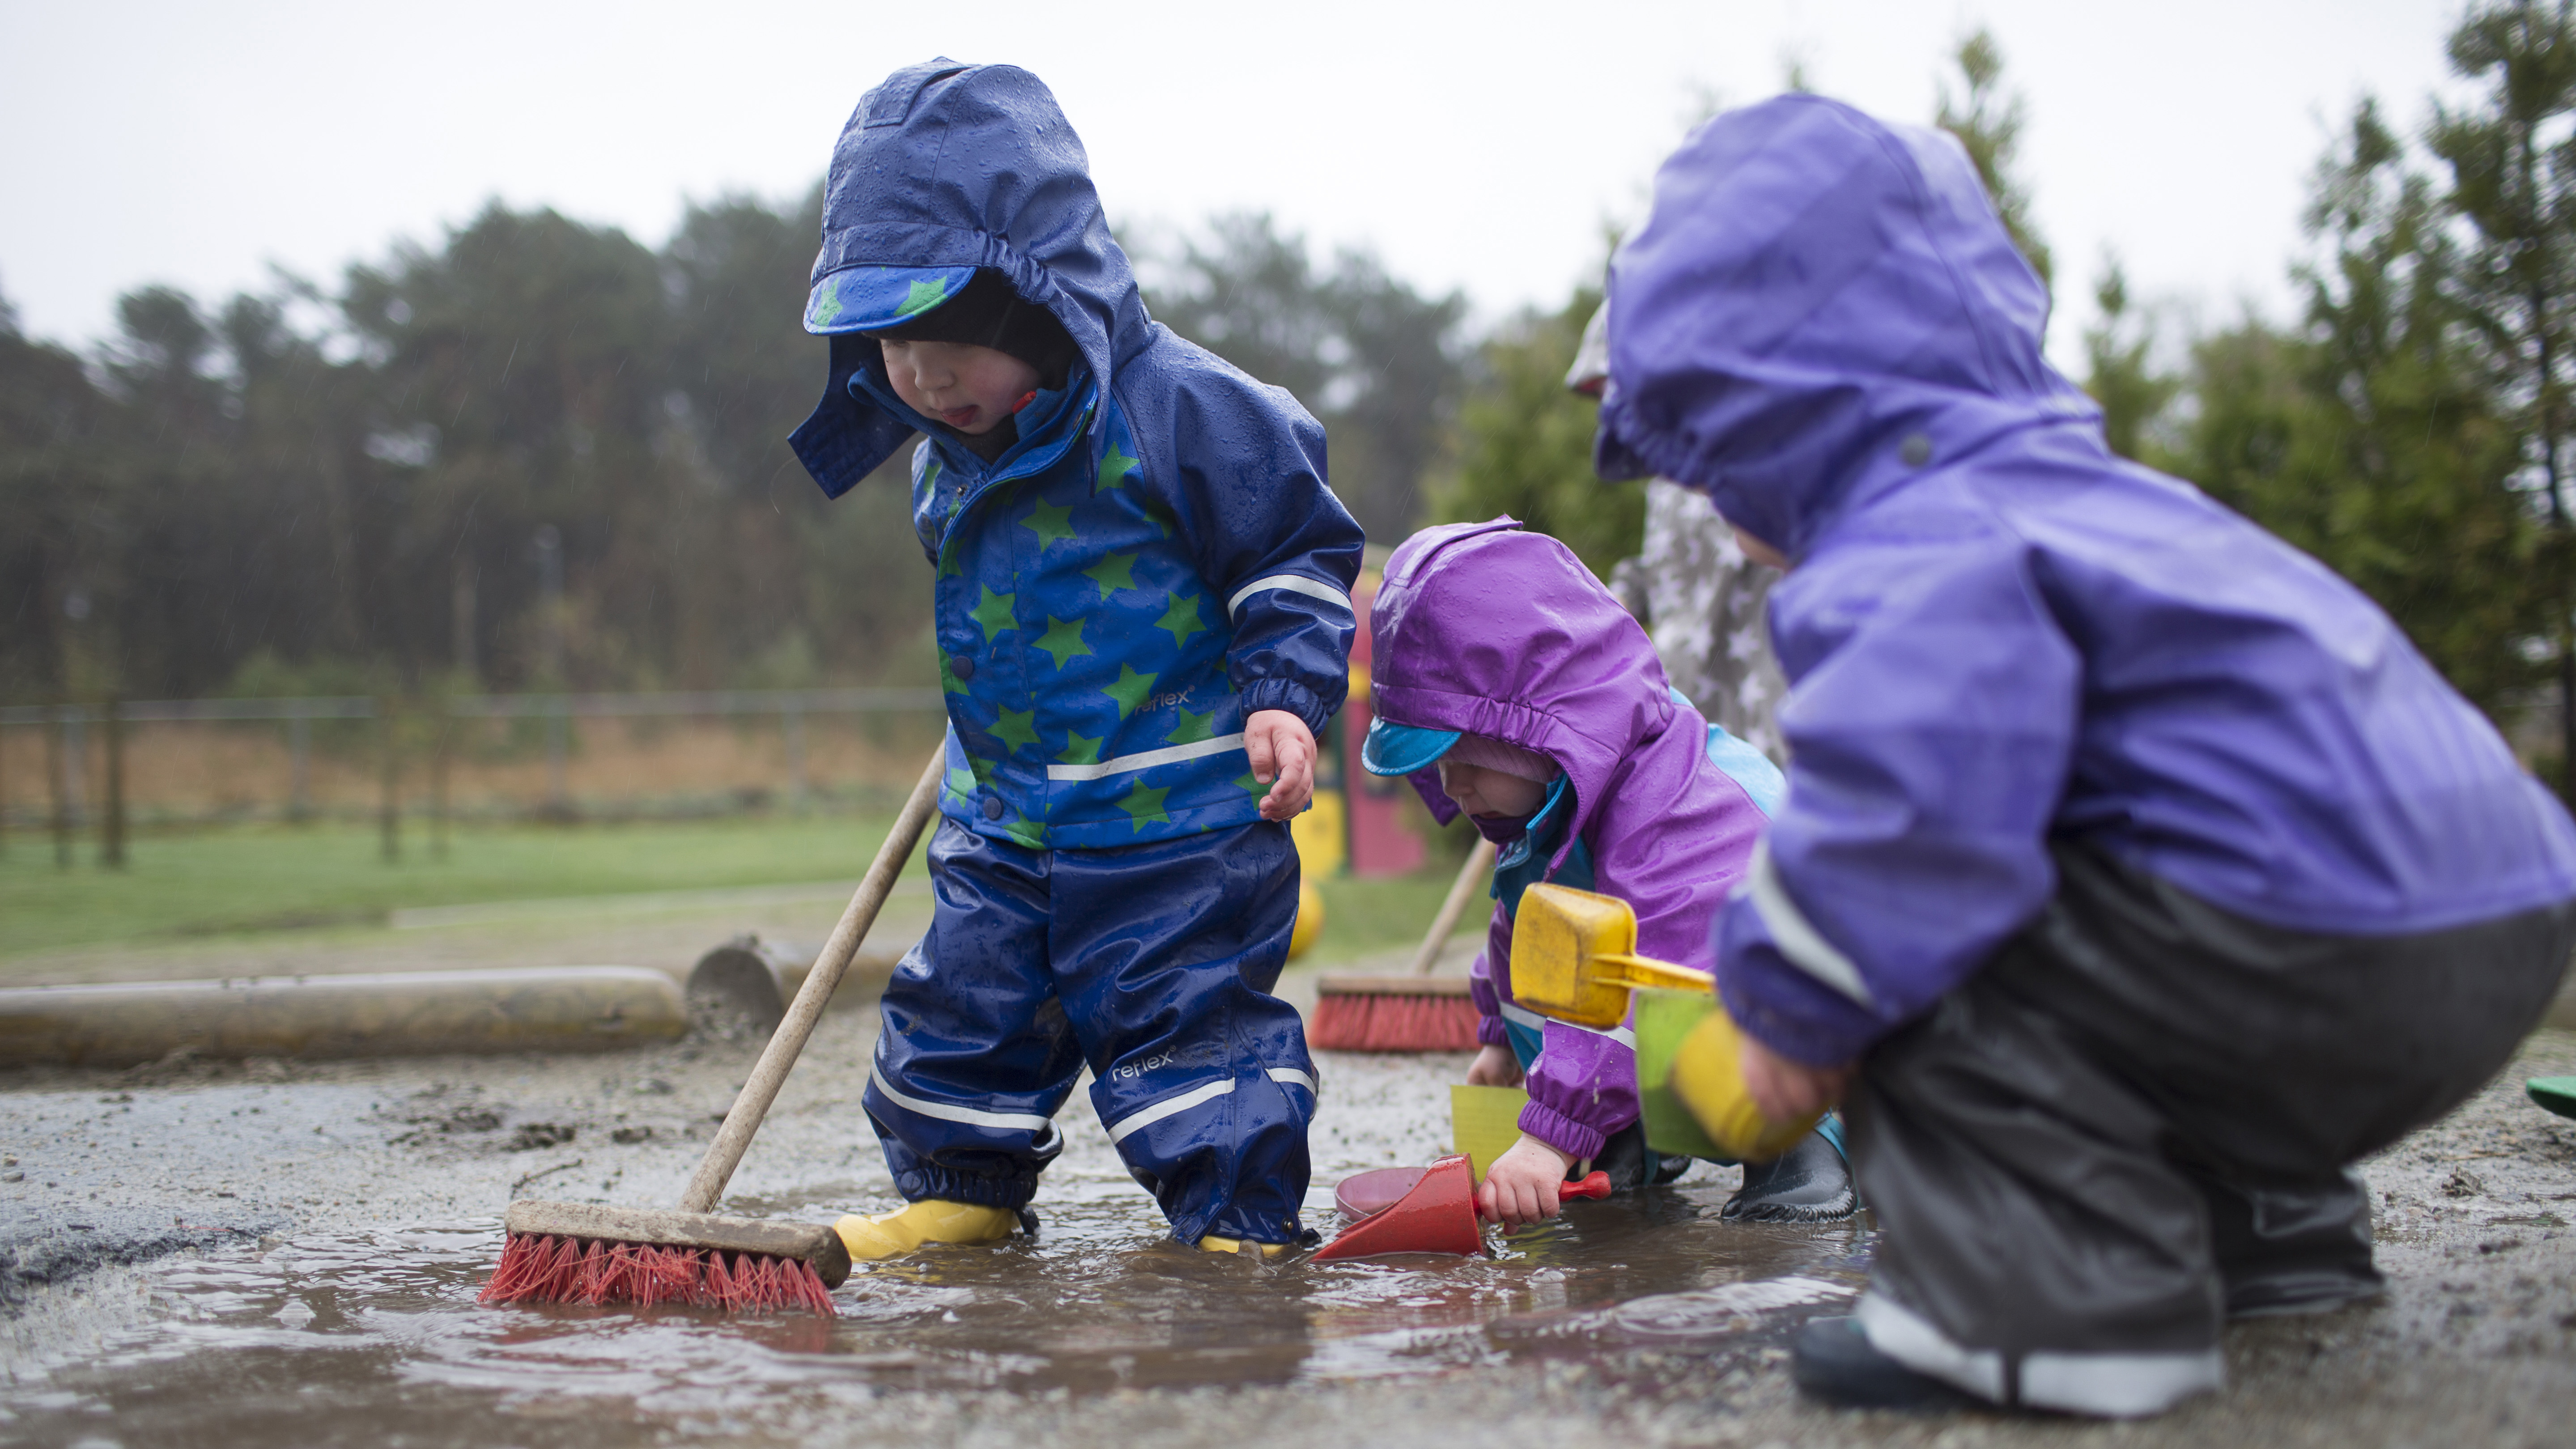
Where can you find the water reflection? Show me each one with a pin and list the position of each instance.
(238, 1344)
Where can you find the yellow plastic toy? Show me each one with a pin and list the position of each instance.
(1574, 958)
(931, 1220)
(1310, 919)
(1708, 1075)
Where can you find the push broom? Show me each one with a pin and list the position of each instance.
(1414, 1012)
(570, 1252)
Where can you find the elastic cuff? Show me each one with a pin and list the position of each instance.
(1816, 1043)
(1291, 696)
(1561, 1132)
(947, 1184)
(1490, 1031)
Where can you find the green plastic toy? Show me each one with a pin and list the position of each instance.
(1664, 1017)
(2558, 1094)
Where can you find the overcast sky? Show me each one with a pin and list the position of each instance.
(1481, 146)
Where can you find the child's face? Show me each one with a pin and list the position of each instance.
(967, 387)
(1490, 794)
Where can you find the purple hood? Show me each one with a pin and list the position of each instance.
(1998, 633)
(1488, 629)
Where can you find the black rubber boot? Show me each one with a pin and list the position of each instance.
(1809, 1183)
(1630, 1163)
(2303, 1249)
(1832, 1359)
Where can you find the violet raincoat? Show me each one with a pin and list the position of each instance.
(1997, 632)
(1494, 631)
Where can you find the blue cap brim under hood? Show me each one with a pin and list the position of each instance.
(871, 299)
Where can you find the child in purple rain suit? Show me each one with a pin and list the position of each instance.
(2136, 876)
(1511, 686)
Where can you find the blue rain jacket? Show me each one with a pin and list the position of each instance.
(1155, 559)
(1998, 632)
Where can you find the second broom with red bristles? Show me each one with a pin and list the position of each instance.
(1414, 1012)
(569, 1252)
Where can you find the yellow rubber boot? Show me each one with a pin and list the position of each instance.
(891, 1235)
(1214, 1244)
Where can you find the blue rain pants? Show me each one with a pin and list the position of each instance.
(1150, 963)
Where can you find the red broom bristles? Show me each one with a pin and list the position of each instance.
(546, 1269)
(1392, 1022)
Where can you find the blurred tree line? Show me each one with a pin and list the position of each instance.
(544, 455)
(541, 455)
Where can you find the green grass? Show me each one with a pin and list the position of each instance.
(269, 878)
(266, 878)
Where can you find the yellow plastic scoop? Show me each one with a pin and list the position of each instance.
(1574, 958)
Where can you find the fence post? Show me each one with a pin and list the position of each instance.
(388, 808)
(558, 724)
(57, 783)
(791, 722)
(440, 744)
(299, 767)
(111, 825)
(4, 795)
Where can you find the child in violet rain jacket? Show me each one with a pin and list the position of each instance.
(1511, 686)
(2137, 876)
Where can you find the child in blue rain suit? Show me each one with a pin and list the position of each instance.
(1143, 617)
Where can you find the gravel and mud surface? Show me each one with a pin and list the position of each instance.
(238, 1253)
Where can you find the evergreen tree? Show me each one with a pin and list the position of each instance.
(1525, 443)
(2512, 164)
(1988, 120)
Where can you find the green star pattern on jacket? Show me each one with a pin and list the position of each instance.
(1129, 691)
(961, 782)
(1029, 834)
(1081, 749)
(1062, 640)
(1017, 727)
(1194, 728)
(1182, 619)
(1250, 784)
(920, 297)
(993, 615)
(1117, 571)
(1143, 805)
(1050, 522)
(1113, 469)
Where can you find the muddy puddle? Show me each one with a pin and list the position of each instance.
(316, 1338)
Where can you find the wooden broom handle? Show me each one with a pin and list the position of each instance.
(1479, 861)
(770, 1072)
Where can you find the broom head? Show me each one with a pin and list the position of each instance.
(1393, 1014)
(569, 1252)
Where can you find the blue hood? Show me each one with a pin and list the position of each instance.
(948, 166)
(1821, 304)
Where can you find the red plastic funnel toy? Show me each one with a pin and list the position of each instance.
(1437, 1215)
(1369, 1193)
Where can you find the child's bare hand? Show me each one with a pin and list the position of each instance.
(1494, 1066)
(1282, 750)
(1521, 1187)
(1787, 1090)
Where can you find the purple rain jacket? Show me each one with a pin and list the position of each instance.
(2000, 635)
(1484, 628)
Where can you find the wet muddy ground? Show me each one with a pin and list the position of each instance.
(279, 1254)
